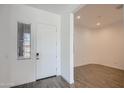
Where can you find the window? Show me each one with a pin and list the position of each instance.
(24, 41)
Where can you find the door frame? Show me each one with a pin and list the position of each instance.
(58, 42)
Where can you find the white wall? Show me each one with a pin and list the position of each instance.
(22, 71)
(4, 46)
(67, 40)
(67, 47)
(65, 65)
(67, 35)
(103, 46)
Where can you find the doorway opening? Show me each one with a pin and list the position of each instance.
(99, 46)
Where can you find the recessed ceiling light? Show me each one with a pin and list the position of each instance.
(78, 17)
(98, 23)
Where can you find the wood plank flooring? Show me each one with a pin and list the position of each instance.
(98, 76)
(87, 76)
(52, 82)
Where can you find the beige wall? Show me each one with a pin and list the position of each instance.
(102, 46)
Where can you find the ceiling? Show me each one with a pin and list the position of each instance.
(105, 14)
(56, 8)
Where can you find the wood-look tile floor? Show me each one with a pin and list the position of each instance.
(87, 76)
(98, 76)
(52, 82)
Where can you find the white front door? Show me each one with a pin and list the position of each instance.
(47, 49)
